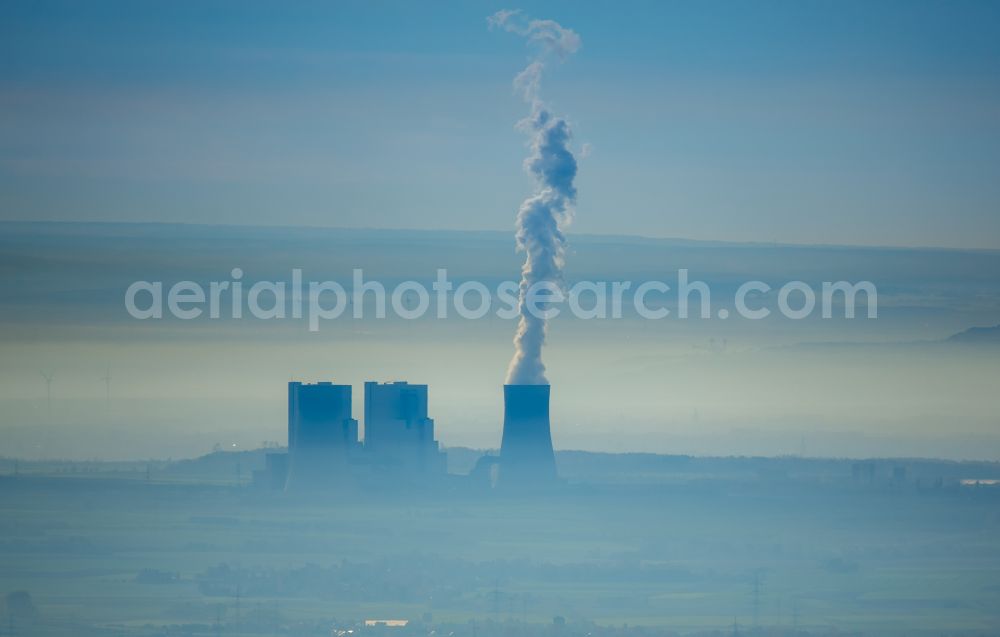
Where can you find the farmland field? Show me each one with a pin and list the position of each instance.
(121, 553)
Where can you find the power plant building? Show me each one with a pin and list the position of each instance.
(324, 449)
(398, 433)
(322, 435)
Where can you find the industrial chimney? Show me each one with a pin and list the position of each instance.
(526, 456)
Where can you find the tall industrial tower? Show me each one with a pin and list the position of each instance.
(321, 433)
(526, 456)
(398, 434)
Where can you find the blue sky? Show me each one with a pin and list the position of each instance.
(818, 122)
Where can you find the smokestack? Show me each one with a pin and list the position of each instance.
(526, 456)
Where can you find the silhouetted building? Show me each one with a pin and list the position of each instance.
(398, 433)
(274, 475)
(321, 432)
(486, 472)
(526, 456)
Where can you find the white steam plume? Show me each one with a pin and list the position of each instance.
(544, 215)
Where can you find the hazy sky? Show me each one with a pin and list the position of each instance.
(847, 387)
(844, 122)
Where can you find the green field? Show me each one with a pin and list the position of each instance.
(121, 555)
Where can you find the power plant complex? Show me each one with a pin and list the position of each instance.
(326, 452)
(323, 445)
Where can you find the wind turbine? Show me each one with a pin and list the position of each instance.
(49, 377)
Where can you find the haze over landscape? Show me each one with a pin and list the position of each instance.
(805, 124)
(342, 319)
(853, 387)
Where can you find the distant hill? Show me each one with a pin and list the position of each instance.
(977, 335)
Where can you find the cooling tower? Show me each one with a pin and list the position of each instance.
(526, 457)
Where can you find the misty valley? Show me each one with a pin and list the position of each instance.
(632, 544)
(565, 319)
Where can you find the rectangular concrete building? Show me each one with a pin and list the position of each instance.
(398, 433)
(321, 434)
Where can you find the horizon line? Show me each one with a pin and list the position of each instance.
(506, 233)
(495, 451)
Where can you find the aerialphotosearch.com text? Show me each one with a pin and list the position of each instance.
(320, 301)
